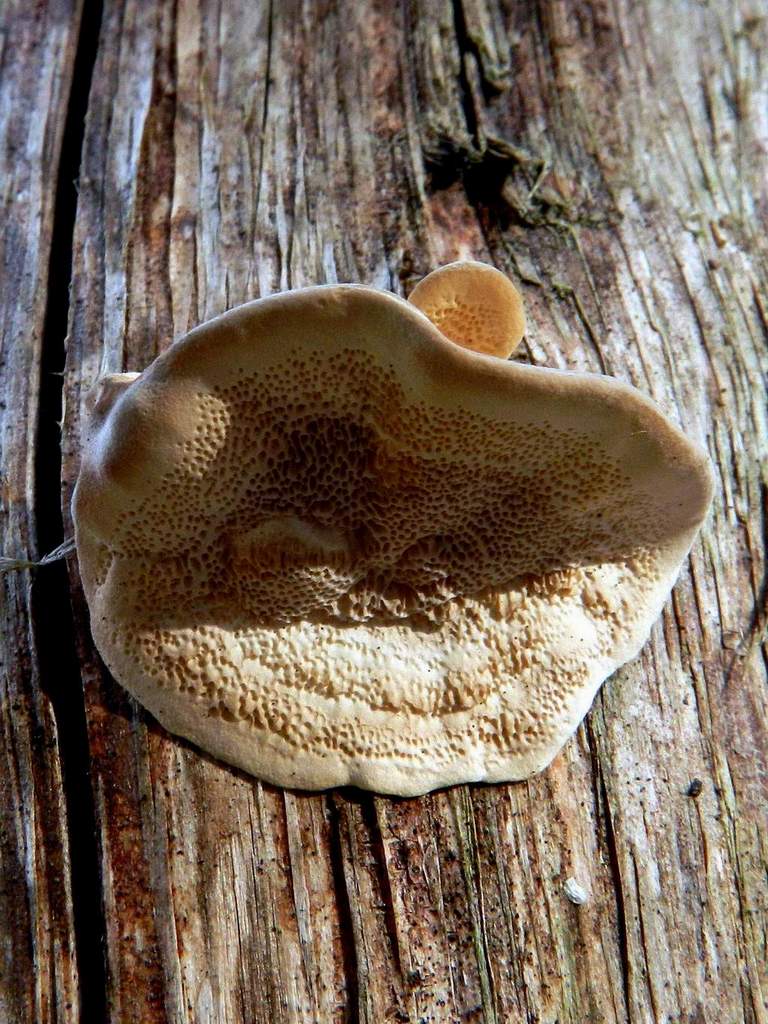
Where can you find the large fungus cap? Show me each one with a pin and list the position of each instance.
(330, 546)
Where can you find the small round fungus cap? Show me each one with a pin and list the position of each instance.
(329, 546)
(474, 305)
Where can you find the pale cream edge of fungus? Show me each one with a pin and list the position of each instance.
(266, 757)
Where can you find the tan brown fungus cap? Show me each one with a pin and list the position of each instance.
(474, 305)
(329, 546)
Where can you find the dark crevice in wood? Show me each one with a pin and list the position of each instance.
(378, 855)
(466, 46)
(51, 610)
(265, 107)
(485, 165)
(469, 45)
(607, 840)
(603, 811)
(760, 629)
(344, 909)
(755, 634)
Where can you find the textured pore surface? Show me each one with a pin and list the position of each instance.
(356, 553)
(474, 305)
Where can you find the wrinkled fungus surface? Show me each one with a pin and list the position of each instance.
(329, 546)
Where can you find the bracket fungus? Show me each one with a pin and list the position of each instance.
(330, 546)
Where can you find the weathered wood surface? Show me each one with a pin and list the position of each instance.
(610, 157)
(38, 974)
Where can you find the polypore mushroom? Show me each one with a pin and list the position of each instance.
(474, 305)
(330, 546)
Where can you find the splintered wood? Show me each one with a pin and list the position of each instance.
(609, 158)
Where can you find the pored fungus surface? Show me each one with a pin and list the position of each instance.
(330, 546)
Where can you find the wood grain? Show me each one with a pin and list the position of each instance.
(38, 970)
(613, 165)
